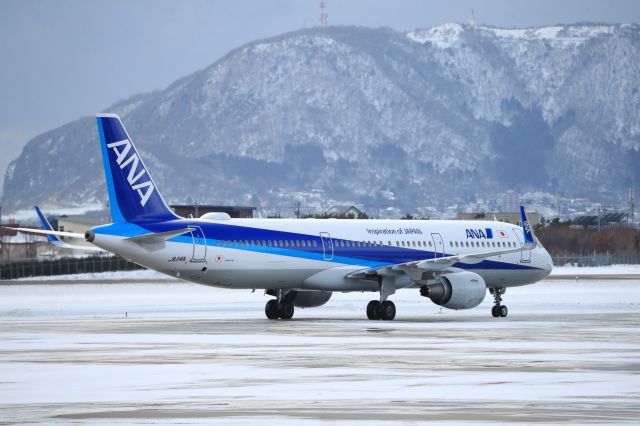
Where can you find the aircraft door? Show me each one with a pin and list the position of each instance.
(199, 244)
(327, 245)
(438, 245)
(525, 255)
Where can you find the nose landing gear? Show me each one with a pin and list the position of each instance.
(498, 310)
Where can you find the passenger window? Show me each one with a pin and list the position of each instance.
(450, 243)
(304, 243)
(429, 243)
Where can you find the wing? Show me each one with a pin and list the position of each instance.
(437, 264)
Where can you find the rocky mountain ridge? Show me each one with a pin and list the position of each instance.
(375, 117)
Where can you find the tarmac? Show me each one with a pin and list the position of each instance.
(172, 353)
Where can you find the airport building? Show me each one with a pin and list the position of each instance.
(197, 210)
(16, 246)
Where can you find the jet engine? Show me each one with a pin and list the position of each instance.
(308, 298)
(456, 290)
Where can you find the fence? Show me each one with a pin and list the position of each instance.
(599, 259)
(67, 265)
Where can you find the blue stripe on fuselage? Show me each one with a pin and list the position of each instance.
(366, 256)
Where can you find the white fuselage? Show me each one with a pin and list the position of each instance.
(319, 254)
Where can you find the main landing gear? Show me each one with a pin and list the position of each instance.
(279, 308)
(383, 309)
(498, 310)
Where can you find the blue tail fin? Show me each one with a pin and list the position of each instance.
(46, 226)
(133, 196)
(526, 228)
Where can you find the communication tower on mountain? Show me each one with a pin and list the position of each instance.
(323, 14)
(472, 19)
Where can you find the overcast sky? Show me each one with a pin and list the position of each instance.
(61, 60)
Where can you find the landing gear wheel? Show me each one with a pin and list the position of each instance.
(271, 309)
(371, 310)
(498, 310)
(386, 310)
(285, 310)
(502, 311)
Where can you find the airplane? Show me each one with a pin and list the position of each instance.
(301, 262)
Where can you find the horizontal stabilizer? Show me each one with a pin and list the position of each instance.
(46, 232)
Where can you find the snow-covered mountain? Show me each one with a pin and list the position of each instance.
(373, 116)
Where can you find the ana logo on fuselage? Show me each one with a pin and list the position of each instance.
(144, 189)
(479, 233)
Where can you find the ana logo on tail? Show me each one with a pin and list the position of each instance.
(145, 189)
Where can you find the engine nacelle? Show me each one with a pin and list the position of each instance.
(310, 298)
(456, 290)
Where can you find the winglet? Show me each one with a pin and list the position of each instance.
(526, 228)
(46, 226)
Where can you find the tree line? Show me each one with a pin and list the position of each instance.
(560, 239)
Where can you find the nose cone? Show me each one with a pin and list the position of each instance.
(547, 262)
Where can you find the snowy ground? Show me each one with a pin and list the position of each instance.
(185, 354)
